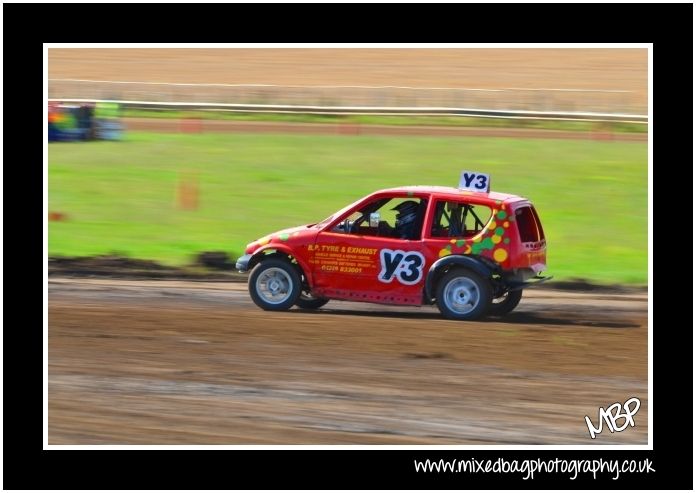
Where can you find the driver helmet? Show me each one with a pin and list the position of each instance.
(406, 217)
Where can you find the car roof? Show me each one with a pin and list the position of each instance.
(451, 192)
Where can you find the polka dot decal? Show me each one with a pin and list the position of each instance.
(500, 255)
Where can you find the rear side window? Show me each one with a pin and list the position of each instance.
(538, 223)
(528, 225)
(457, 219)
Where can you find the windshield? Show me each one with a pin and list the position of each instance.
(326, 221)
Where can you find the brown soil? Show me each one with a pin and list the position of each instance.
(111, 266)
(167, 362)
(603, 69)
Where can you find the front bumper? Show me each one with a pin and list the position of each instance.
(242, 264)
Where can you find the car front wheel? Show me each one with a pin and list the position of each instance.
(274, 285)
(463, 295)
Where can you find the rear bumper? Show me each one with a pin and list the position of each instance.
(534, 281)
(242, 264)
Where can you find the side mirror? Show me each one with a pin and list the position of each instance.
(374, 219)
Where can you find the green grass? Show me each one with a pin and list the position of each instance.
(121, 197)
(401, 120)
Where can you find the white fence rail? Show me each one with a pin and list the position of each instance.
(563, 104)
(366, 110)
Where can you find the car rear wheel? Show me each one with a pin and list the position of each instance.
(309, 302)
(274, 285)
(506, 303)
(463, 295)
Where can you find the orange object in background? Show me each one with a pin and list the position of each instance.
(188, 192)
(602, 131)
(191, 125)
(57, 216)
(53, 114)
(349, 129)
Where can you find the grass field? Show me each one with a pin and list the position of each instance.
(121, 197)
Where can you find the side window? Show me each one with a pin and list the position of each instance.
(459, 219)
(399, 217)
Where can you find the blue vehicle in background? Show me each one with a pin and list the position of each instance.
(70, 122)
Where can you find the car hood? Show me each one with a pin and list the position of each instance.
(296, 234)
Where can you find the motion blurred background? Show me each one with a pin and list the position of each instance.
(172, 160)
(217, 147)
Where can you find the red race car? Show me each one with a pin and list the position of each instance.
(466, 249)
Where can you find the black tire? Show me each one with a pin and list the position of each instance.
(309, 302)
(275, 285)
(463, 295)
(506, 303)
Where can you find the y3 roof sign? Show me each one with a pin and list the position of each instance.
(474, 181)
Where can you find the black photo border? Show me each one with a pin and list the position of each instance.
(27, 26)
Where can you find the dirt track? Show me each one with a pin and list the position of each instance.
(171, 362)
